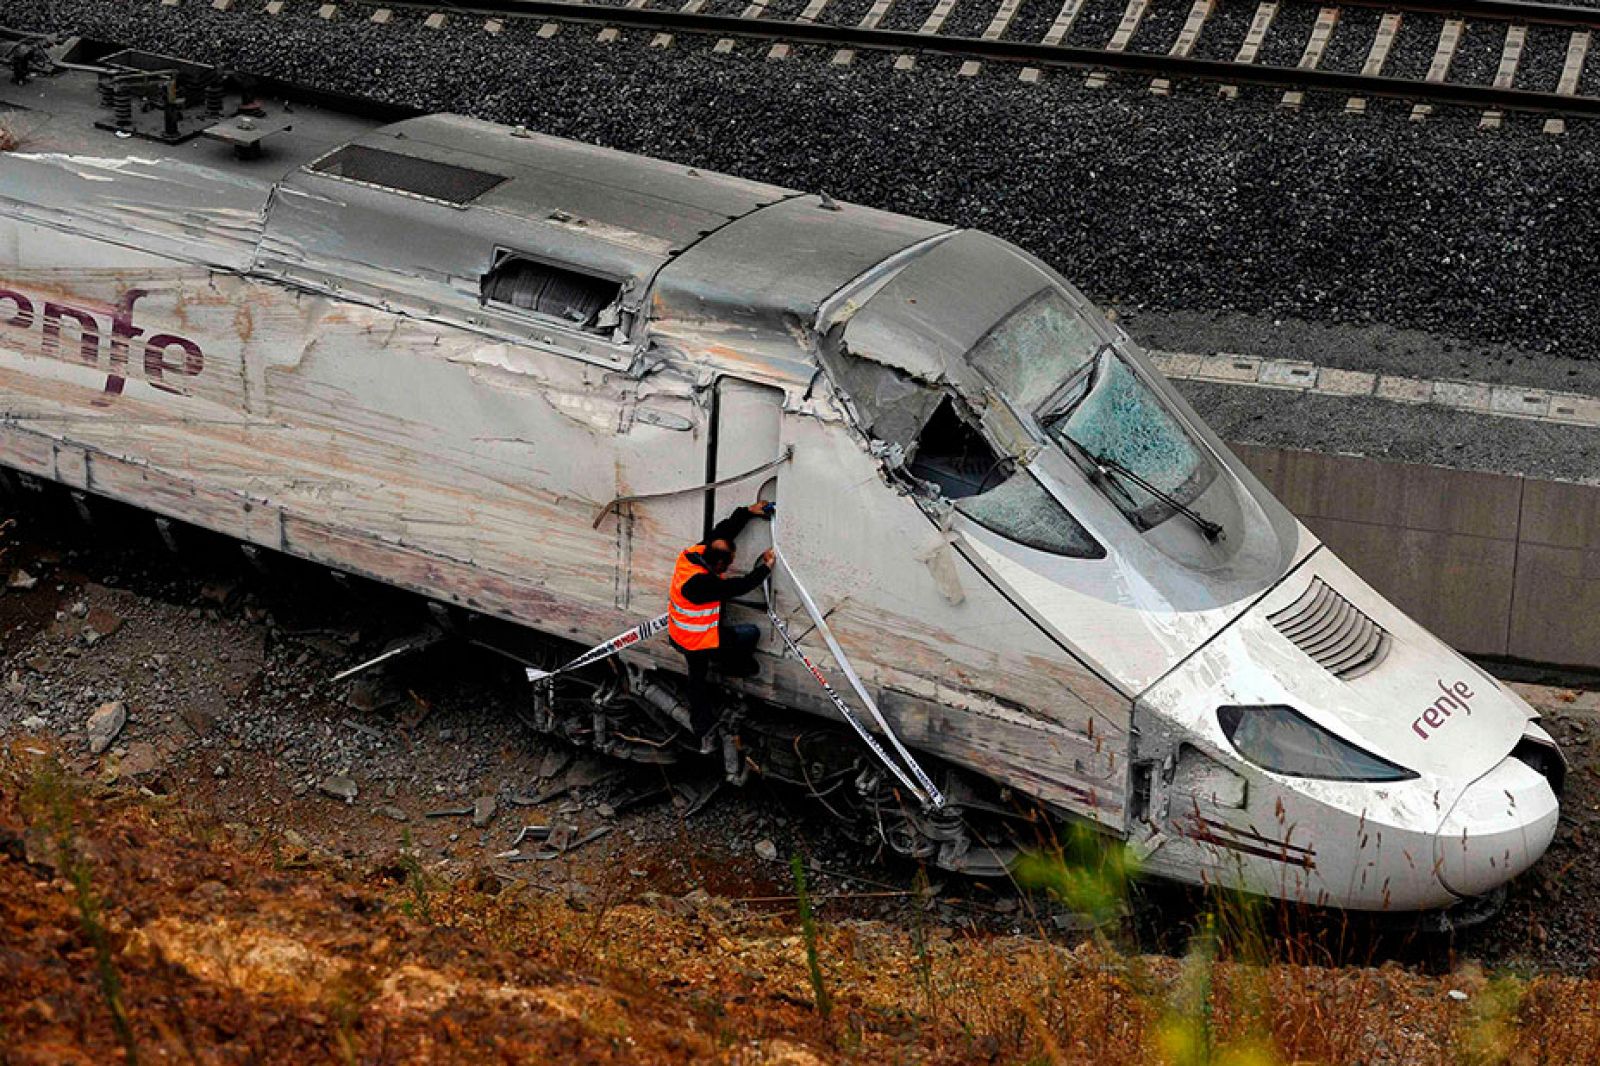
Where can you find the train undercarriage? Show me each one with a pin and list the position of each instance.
(631, 713)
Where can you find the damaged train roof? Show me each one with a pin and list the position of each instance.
(537, 238)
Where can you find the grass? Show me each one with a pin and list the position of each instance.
(420, 905)
(51, 805)
(528, 975)
(808, 929)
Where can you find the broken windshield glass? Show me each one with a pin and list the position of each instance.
(1023, 510)
(1049, 361)
(1120, 419)
(1035, 348)
(954, 458)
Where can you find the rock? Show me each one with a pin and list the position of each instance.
(221, 771)
(363, 697)
(142, 758)
(100, 624)
(1457, 995)
(553, 763)
(34, 722)
(339, 787)
(767, 850)
(219, 593)
(200, 721)
(104, 725)
(483, 809)
(209, 892)
(21, 581)
(390, 811)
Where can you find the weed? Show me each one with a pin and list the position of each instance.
(1492, 1034)
(808, 929)
(919, 943)
(421, 904)
(50, 803)
(349, 1000)
(1089, 873)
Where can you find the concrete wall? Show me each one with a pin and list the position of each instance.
(1495, 564)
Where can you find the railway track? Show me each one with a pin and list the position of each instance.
(1494, 55)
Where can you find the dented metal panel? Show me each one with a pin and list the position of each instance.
(751, 291)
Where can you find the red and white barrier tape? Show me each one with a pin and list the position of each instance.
(641, 632)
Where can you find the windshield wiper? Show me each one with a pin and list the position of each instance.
(1213, 530)
(1070, 393)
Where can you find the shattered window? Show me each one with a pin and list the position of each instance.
(1023, 510)
(1036, 348)
(954, 457)
(1121, 423)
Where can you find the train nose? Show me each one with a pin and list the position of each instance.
(1498, 828)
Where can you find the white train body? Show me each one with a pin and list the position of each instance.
(431, 352)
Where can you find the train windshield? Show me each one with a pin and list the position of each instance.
(1089, 399)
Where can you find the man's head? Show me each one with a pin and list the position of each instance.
(718, 556)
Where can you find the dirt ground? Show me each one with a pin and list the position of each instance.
(424, 772)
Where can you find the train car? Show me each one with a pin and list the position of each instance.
(518, 374)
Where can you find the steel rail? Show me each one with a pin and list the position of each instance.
(1529, 11)
(1038, 54)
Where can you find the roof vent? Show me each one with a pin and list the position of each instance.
(1333, 631)
(408, 174)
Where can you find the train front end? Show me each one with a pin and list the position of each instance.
(1325, 748)
(1295, 735)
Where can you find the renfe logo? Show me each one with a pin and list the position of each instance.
(161, 357)
(1454, 699)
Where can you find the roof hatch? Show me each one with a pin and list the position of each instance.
(407, 174)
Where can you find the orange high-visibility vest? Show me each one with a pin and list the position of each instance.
(692, 626)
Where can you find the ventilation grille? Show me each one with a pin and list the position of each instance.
(1331, 630)
(408, 174)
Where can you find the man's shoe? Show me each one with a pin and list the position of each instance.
(740, 668)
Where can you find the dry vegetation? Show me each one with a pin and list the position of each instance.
(131, 929)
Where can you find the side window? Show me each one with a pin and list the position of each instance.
(577, 300)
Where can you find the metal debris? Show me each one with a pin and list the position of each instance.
(360, 727)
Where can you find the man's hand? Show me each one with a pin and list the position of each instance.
(763, 508)
(769, 558)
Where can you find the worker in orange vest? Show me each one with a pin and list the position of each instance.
(694, 610)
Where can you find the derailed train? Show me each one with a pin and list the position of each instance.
(433, 351)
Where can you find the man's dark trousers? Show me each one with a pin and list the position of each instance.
(734, 656)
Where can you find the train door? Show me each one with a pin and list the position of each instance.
(747, 433)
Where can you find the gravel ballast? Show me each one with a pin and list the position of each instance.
(1352, 38)
(1173, 204)
(1544, 51)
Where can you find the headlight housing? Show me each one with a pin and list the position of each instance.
(1279, 738)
